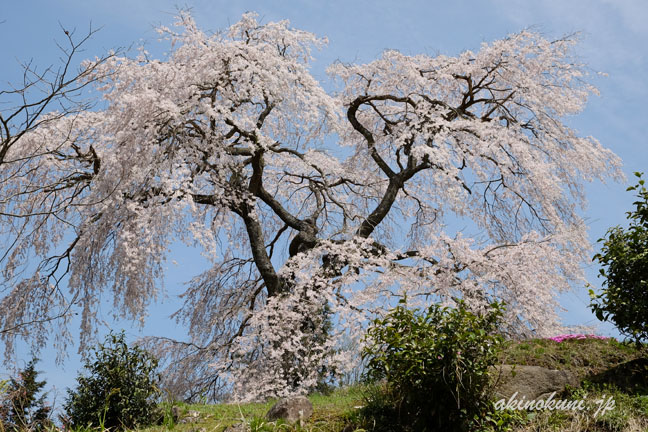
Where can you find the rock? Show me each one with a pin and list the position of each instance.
(530, 382)
(291, 410)
(629, 377)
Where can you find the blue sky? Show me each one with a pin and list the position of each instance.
(614, 40)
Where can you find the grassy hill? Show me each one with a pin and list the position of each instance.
(606, 368)
(332, 413)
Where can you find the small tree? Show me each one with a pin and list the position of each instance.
(624, 256)
(21, 407)
(120, 390)
(435, 364)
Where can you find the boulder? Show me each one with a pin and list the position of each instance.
(530, 382)
(291, 410)
(629, 377)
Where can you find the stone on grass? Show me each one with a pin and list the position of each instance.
(530, 382)
(291, 410)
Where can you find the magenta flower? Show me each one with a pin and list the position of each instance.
(564, 337)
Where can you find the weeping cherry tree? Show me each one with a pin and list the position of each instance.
(442, 178)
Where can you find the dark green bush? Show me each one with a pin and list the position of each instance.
(21, 409)
(119, 391)
(433, 366)
(624, 257)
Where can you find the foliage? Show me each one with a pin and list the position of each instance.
(21, 408)
(435, 364)
(307, 203)
(340, 411)
(624, 257)
(627, 414)
(120, 388)
(502, 420)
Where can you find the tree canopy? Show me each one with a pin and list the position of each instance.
(316, 209)
(624, 257)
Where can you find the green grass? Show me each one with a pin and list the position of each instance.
(585, 357)
(606, 368)
(630, 413)
(330, 414)
(596, 363)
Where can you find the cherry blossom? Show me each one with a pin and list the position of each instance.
(316, 209)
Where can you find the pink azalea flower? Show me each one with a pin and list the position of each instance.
(561, 338)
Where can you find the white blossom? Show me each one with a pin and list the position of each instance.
(307, 203)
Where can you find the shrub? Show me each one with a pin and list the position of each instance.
(21, 408)
(434, 365)
(120, 390)
(624, 257)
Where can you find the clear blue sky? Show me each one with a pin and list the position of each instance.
(614, 41)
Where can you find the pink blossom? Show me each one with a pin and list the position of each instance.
(561, 338)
